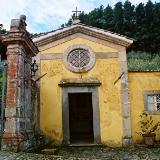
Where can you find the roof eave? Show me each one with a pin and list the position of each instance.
(90, 31)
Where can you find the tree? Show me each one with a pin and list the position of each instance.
(118, 20)
(140, 27)
(2, 46)
(108, 18)
(95, 17)
(83, 18)
(129, 19)
(155, 30)
(69, 22)
(149, 26)
(149, 10)
(140, 15)
(2, 30)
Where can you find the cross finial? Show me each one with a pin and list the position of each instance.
(76, 13)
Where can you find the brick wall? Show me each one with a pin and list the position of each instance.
(18, 130)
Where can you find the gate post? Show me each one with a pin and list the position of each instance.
(18, 132)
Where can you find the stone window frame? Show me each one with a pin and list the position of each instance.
(88, 67)
(145, 96)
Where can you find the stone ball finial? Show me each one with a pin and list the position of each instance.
(23, 17)
(18, 24)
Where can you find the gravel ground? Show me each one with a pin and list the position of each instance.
(88, 153)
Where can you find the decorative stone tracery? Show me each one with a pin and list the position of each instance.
(79, 58)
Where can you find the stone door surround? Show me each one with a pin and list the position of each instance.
(73, 86)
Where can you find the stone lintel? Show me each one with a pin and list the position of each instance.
(79, 82)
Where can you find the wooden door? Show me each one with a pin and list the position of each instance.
(81, 118)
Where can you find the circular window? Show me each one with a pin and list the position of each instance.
(79, 58)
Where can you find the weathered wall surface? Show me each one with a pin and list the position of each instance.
(105, 70)
(18, 129)
(95, 46)
(139, 82)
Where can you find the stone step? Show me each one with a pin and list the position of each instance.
(51, 151)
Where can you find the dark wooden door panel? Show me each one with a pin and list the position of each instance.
(81, 117)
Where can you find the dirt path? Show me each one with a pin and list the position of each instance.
(89, 153)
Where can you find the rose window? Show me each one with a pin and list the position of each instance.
(79, 58)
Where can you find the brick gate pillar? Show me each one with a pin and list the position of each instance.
(18, 132)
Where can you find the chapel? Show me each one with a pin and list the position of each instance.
(88, 95)
(82, 94)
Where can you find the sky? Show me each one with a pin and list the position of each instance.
(46, 15)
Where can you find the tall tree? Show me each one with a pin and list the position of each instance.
(2, 46)
(96, 17)
(83, 18)
(149, 28)
(118, 20)
(108, 18)
(140, 15)
(149, 9)
(2, 30)
(140, 27)
(129, 18)
(156, 30)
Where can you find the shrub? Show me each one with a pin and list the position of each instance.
(147, 124)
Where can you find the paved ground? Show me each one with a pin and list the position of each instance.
(88, 153)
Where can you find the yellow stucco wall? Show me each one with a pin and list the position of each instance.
(138, 83)
(95, 46)
(106, 70)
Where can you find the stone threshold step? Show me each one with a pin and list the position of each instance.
(51, 151)
(84, 145)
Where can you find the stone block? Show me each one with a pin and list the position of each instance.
(10, 112)
(49, 151)
(10, 125)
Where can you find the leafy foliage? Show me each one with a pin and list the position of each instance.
(2, 47)
(147, 124)
(2, 30)
(142, 61)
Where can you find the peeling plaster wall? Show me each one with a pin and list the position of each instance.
(139, 82)
(105, 70)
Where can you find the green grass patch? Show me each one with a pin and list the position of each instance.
(141, 61)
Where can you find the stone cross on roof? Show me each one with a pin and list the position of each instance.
(76, 17)
(76, 13)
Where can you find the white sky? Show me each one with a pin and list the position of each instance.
(45, 15)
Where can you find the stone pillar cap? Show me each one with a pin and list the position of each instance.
(18, 24)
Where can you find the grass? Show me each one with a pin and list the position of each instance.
(141, 61)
